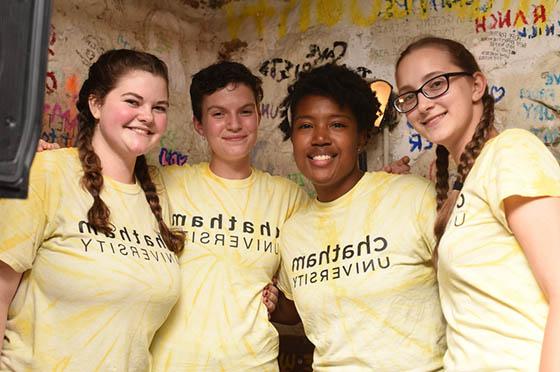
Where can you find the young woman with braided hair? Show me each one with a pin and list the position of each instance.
(498, 228)
(88, 267)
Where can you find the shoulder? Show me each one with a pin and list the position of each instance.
(171, 175)
(516, 137)
(277, 182)
(403, 183)
(54, 164)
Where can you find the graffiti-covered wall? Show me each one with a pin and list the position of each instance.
(516, 42)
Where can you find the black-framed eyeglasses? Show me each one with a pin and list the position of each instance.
(433, 88)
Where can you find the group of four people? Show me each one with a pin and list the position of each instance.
(386, 272)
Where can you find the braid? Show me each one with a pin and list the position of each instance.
(92, 180)
(174, 239)
(466, 162)
(442, 174)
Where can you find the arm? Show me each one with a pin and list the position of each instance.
(285, 312)
(9, 281)
(535, 222)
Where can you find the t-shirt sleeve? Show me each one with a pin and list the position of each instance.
(24, 221)
(520, 165)
(283, 278)
(298, 198)
(426, 218)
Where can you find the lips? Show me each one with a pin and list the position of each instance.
(321, 159)
(433, 120)
(140, 130)
(235, 138)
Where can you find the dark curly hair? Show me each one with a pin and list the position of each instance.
(103, 77)
(219, 75)
(345, 86)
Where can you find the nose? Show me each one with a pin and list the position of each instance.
(424, 104)
(321, 136)
(234, 123)
(145, 114)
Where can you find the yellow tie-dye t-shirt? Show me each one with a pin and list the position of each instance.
(360, 271)
(86, 301)
(231, 253)
(495, 310)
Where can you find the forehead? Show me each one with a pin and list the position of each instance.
(232, 94)
(421, 64)
(315, 105)
(139, 80)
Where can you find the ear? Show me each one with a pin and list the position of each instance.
(479, 86)
(94, 107)
(198, 126)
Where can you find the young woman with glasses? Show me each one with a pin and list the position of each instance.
(498, 229)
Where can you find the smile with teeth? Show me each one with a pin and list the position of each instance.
(140, 130)
(322, 157)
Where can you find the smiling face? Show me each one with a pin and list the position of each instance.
(229, 123)
(131, 118)
(450, 119)
(326, 143)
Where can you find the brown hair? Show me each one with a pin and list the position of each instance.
(102, 77)
(446, 200)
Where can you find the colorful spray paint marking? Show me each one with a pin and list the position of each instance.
(300, 15)
(170, 157)
(416, 141)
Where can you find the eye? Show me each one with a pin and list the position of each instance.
(132, 102)
(338, 124)
(217, 114)
(303, 125)
(161, 109)
(247, 112)
(436, 84)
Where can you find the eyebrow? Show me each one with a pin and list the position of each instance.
(252, 104)
(408, 88)
(335, 116)
(162, 102)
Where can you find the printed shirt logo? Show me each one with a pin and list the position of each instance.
(229, 232)
(351, 259)
(125, 241)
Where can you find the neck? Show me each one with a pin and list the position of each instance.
(114, 165)
(329, 193)
(232, 170)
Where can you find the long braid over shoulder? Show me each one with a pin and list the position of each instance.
(103, 77)
(446, 199)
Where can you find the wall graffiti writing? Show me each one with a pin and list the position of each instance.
(416, 141)
(551, 78)
(550, 136)
(538, 111)
(269, 111)
(51, 84)
(280, 69)
(502, 46)
(123, 43)
(301, 15)
(170, 157)
(507, 19)
(92, 48)
(497, 92)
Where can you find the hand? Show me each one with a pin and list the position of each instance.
(398, 167)
(270, 297)
(44, 145)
